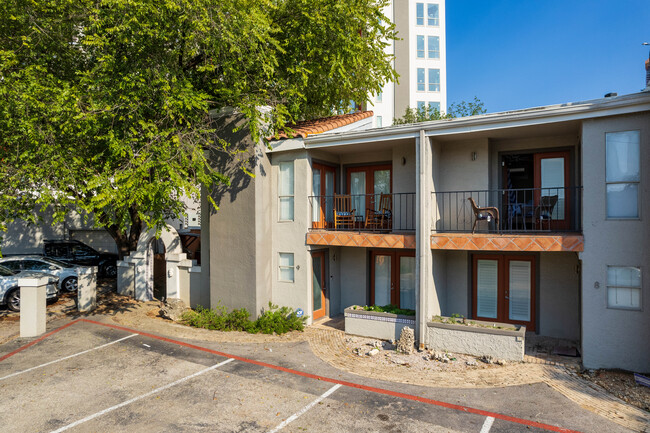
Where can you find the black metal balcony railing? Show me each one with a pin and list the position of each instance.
(518, 210)
(363, 212)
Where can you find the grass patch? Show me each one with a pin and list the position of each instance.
(274, 320)
(392, 309)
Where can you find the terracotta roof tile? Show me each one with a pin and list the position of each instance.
(318, 126)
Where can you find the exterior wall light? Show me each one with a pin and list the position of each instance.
(474, 156)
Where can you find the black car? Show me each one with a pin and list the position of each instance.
(78, 253)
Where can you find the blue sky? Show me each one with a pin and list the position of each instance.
(527, 53)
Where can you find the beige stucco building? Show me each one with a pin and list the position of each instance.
(345, 214)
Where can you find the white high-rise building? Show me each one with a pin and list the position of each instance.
(420, 60)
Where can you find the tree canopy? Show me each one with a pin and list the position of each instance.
(105, 104)
(460, 109)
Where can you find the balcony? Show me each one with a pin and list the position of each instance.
(525, 219)
(363, 220)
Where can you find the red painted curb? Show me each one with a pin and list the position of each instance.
(465, 409)
(38, 340)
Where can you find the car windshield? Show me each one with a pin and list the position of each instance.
(6, 272)
(56, 262)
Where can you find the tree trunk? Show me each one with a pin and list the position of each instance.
(126, 242)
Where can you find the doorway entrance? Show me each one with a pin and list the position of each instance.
(319, 284)
(503, 289)
(159, 269)
(366, 184)
(392, 278)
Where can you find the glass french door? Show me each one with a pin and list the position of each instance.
(323, 184)
(319, 282)
(393, 278)
(366, 184)
(503, 289)
(552, 179)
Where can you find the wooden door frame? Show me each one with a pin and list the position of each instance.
(370, 178)
(565, 223)
(322, 223)
(503, 276)
(395, 255)
(324, 254)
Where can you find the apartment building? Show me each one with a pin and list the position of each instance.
(558, 242)
(420, 60)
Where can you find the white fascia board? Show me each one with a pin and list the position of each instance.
(286, 145)
(613, 106)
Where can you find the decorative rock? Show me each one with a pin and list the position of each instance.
(406, 340)
(501, 362)
(487, 359)
(471, 363)
(373, 352)
(173, 309)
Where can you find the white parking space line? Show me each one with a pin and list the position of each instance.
(140, 397)
(306, 408)
(487, 425)
(66, 357)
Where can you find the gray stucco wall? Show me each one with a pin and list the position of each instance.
(559, 295)
(614, 337)
(457, 285)
(238, 234)
(354, 277)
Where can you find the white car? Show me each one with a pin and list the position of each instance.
(66, 273)
(10, 292)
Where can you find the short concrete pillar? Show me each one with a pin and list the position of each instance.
(126, 277)
(178, 276)
(87, 289)
(32, 306)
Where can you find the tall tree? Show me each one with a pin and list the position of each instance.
(105, 104)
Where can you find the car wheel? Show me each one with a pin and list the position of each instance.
(110, 271)
(13, 300)
(70, 284)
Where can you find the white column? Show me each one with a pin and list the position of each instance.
(32, 306)
(87, 288)
(422, 237)
(178, 276)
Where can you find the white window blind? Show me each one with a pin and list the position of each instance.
(285, 261)
(487, 288)
(285, 191)
(382, 280)
(519, 290)
(407, 282)
(623, 174)
(624, 287)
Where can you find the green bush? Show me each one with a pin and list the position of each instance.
(278, 320)
(393, 309)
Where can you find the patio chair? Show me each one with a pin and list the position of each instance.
(544, 212)
(344, 215)
(382, 218)
(484, 214)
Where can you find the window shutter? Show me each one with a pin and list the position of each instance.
(519, 290)
(487, 288)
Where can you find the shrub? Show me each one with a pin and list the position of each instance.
(278, 320)
(393, 309)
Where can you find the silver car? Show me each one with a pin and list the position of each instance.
(66, 273)
(10, 292)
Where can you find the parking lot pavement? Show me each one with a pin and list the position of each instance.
(89, 377)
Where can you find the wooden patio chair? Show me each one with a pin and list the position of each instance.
(484, 214)
(382, 218)
(344, 215)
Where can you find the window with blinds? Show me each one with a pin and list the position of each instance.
(519, 290)
(487, 288)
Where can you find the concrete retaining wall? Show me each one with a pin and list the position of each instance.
(384, 326)
(498, 343)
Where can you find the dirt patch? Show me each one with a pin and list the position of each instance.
(622, 385)
(384, 354)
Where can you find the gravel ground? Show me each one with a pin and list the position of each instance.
(622, 385)
(385, 354)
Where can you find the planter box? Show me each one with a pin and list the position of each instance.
(384, 326)
(504, 344)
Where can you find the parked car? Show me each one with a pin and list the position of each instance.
(78, 253)
(10, 291)
(65, 272)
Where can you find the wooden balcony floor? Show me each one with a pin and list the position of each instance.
(508, 242)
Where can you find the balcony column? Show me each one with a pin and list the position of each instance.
(423, 160)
